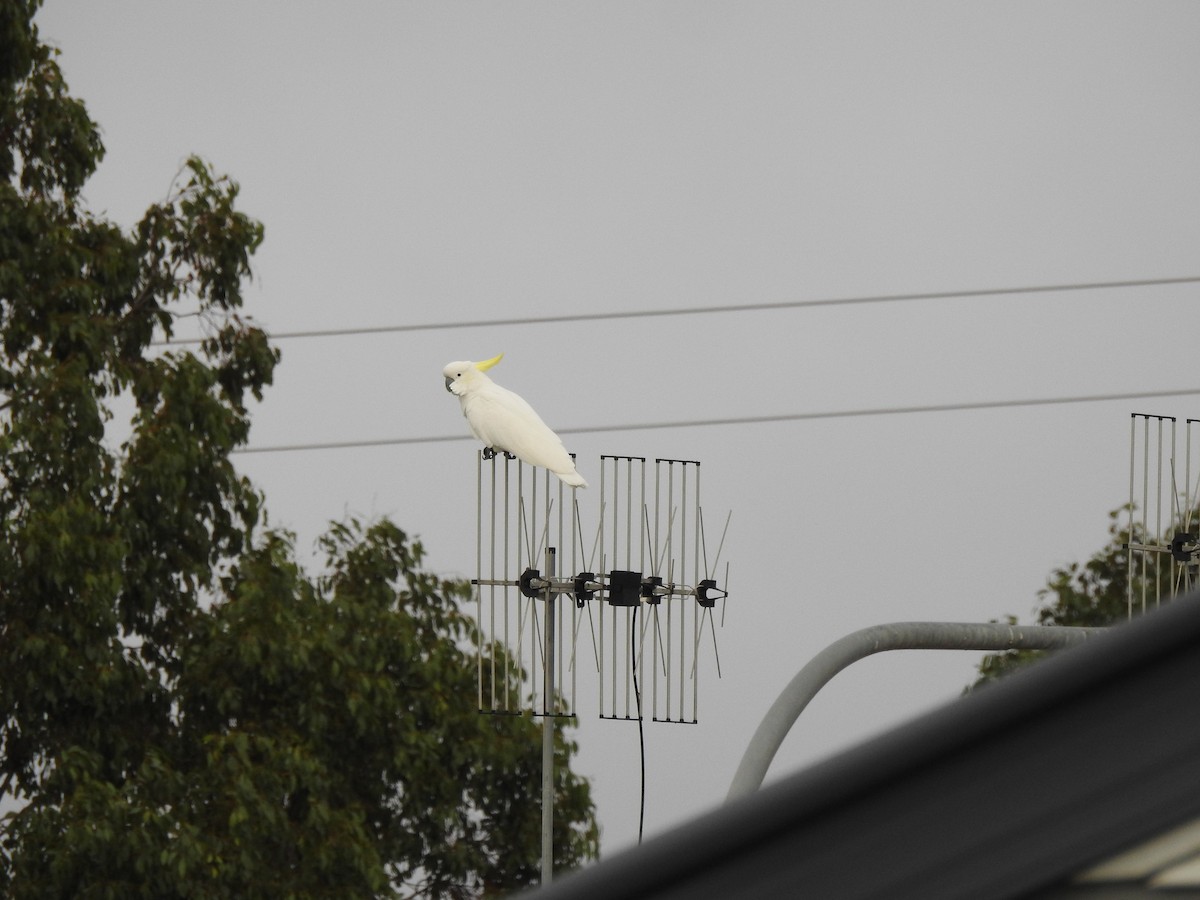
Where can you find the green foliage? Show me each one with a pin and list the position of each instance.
(184, 712)
(323, 742)
(1094, 594)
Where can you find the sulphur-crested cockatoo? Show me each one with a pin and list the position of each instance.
(505, 422)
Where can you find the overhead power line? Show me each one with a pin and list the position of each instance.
(707, 310)
(745, 420)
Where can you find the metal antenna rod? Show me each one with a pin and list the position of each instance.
(1132, 482)
(507, 578)
(479, 574)
(1145, 503)
(548, 731)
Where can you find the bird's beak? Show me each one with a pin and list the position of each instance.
(449, 381)
(488, 363)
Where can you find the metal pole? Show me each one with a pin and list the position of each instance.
(860, 644)
(548, 732)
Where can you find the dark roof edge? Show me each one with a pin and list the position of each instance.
(732, 830)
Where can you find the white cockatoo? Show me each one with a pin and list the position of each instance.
(505, 422)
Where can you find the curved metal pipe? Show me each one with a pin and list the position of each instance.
(867, 641)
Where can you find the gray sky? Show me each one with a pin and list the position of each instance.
(440, 162)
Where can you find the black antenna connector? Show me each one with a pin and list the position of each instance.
(648, 589)
(1184, 547)
(580, 588)
(526, 583)
(704, 595)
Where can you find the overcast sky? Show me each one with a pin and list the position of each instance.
(456, 162)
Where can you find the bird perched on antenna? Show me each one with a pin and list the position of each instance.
(505, 422)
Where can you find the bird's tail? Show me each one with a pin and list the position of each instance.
(573, 478)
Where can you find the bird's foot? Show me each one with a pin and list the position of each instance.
(489, 453)
(508, 455)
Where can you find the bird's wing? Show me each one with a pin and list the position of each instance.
(504, 421)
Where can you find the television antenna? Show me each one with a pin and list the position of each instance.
(1163, 547)
(545, 585)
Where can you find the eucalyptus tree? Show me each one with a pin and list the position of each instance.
(183, 711)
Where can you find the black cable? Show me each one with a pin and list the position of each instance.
(708, 310)
(637, 696)
(742, 420)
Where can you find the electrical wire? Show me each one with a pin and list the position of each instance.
(745, 420)
(707, 310)
(637, 696)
